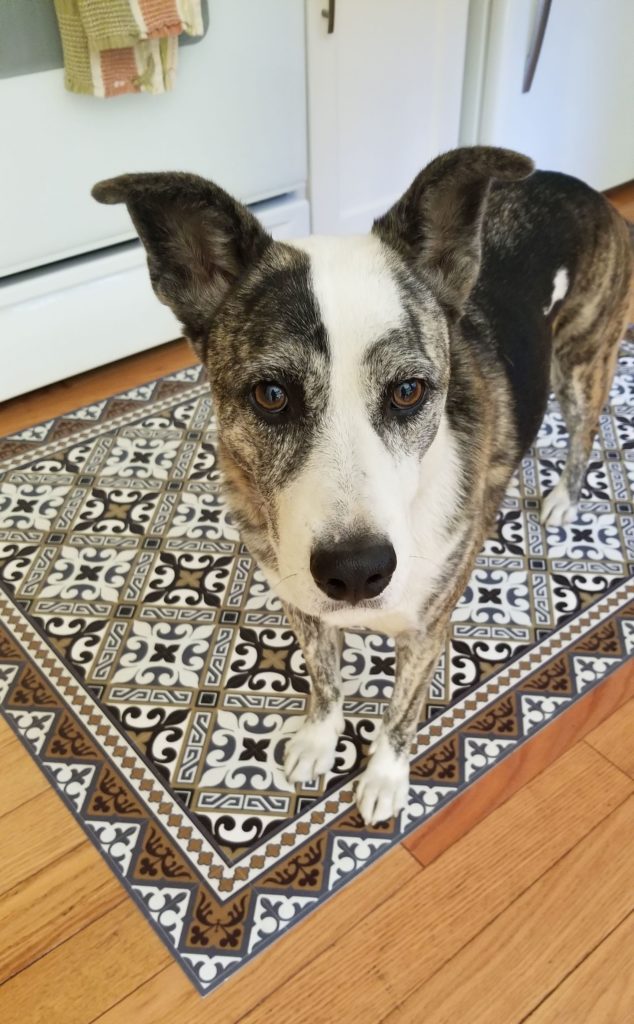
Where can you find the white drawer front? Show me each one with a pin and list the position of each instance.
(92, 310)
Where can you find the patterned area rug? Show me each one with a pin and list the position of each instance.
(150, 672)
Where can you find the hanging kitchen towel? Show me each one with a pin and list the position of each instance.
(118, 46)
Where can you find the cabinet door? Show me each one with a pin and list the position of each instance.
(384, 92)
(577, 115)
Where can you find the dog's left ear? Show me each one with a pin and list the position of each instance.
(437, 223)
(199, 241)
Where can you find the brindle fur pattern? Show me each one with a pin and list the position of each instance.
(488, 282)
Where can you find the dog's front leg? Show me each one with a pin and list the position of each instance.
(382, 788)
(311, 751)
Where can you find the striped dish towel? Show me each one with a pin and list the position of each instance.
(117, 46)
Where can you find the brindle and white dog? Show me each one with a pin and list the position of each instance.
(375, 394)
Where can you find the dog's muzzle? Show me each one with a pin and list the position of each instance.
(355, 570)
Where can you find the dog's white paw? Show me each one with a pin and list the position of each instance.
(383, 787)
(311, 751)
(557, 508)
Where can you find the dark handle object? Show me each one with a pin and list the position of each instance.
(533, 57)
(330, 14)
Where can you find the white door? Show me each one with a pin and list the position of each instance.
(576, 114)
(384, 92)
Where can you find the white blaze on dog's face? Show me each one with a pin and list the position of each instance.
(362, 522)
(329, 362)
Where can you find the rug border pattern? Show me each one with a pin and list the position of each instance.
(340, 826)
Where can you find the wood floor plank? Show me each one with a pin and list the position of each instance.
(33, 836)
(623, 198)
(560, 919)
(615, 738)
(83, 977)
(64, 396)
(168, 998)
(52, 905)
(601, 989)
(20, 778)
(500, 782)
(409, 937)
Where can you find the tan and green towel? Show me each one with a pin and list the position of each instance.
(117, 46)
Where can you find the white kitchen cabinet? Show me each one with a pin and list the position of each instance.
(576, 113)
(74, 287)
(237, 115)
(384, 93)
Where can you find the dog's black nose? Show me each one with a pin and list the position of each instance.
(354, 570)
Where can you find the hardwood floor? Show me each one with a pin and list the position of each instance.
(526, 917)
(623, 198)
(514, 905)
(36, 406)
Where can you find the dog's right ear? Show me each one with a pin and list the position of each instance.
(199, 241)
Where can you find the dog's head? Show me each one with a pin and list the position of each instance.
(329, 362)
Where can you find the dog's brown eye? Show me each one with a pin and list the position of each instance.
(270, 396)
(407, 394)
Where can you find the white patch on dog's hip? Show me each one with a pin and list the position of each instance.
(560, 289)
